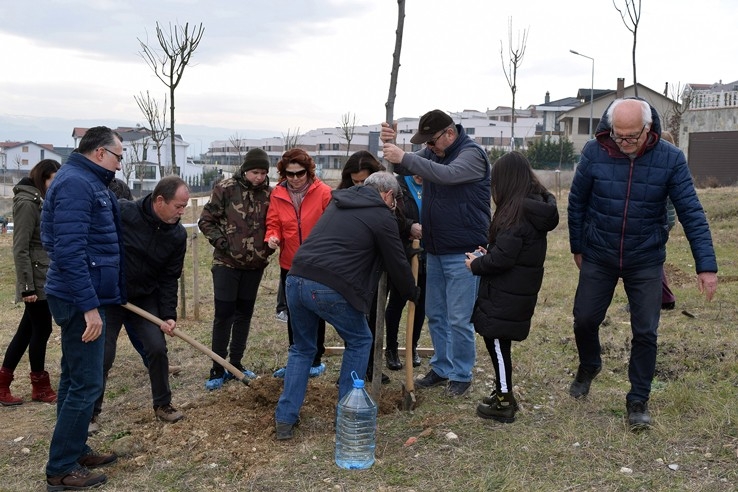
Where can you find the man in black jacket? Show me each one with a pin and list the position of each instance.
(155, 244)
(333, 277)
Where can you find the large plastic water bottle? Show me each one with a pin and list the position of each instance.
(356, 425)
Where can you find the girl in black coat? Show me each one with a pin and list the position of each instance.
(511, 270)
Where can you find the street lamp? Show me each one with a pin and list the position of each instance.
(591, 91)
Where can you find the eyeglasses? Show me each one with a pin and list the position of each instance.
(117, 156)
(295, 174)
(432, 141)
(629, 140)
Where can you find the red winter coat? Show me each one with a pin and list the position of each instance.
(290, 226)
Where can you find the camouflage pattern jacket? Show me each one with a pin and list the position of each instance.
(234, 221)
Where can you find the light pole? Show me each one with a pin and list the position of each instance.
(591, 91)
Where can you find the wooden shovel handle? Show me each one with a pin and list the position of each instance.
(178, 333)
(409, 383)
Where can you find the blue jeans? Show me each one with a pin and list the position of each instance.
(451, 290)
(593, 297)
(309, 301)
(80, 385)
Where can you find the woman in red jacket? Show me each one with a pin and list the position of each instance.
(296, 204)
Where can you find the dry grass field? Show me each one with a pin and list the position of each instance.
(226, 441)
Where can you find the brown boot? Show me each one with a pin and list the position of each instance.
(7, 399)
(42, 387)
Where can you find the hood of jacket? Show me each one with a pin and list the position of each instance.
(358, 197)
(541, 211)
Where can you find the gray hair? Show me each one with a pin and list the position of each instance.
(645, 110)
(383, 182)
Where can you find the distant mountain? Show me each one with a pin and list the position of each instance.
(58, 131)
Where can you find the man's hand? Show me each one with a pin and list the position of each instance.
(578, 260)
(94, 326)
(273, 242)
(387, 134)
(168, 327)
(416, 231)
(707, 283)
(392, 153)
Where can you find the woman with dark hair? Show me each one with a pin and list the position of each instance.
(511, 268)
(358, 167)
(31, 264)
(296, 204)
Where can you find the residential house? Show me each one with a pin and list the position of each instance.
(18, 158)
(708, 133)
(143, 163)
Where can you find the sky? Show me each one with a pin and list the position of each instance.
(266, 68)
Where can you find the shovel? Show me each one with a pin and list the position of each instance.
(408, 388)
(202, 348)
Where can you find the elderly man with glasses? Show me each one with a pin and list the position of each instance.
(618, 230)
(456, 216)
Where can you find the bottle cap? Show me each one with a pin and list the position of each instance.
(358, 382)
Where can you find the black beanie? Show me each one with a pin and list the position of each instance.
(255, 159)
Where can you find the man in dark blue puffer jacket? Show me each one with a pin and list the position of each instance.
(618, 229)
(80, 229)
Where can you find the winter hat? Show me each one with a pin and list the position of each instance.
(255, 159)
(431, 123)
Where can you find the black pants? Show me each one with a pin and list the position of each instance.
(499, 351)
(33, 332)
(235, 296)
(393, 314)
(153, 342)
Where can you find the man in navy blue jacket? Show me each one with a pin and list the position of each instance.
(457, 201)
(80, 230)
(618, 229)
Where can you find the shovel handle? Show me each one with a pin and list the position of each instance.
(179, 333)
(409, 383)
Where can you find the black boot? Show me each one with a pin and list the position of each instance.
(416, 357)
(503, 410)
(393, 360)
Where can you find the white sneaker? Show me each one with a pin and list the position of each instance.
(282, 316)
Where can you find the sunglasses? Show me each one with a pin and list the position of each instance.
(295, 174)
(432, 142)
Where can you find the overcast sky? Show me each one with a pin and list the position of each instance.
(282, 65)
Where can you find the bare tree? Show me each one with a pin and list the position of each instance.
(18, 162)
(157, 121)
(390, 104)
(177, 47)
(348, 127)
(510, 69)
(631, 23)
(672, 114)
(382, 286)
(291, 140)
(237, 143)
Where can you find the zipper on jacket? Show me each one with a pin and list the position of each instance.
(625, 212)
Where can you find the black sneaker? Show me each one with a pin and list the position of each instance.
(580, 386)
(284, 431)
(455, 389)
(429, 380)
(492, 400)
(638, 416)
(502, 409)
